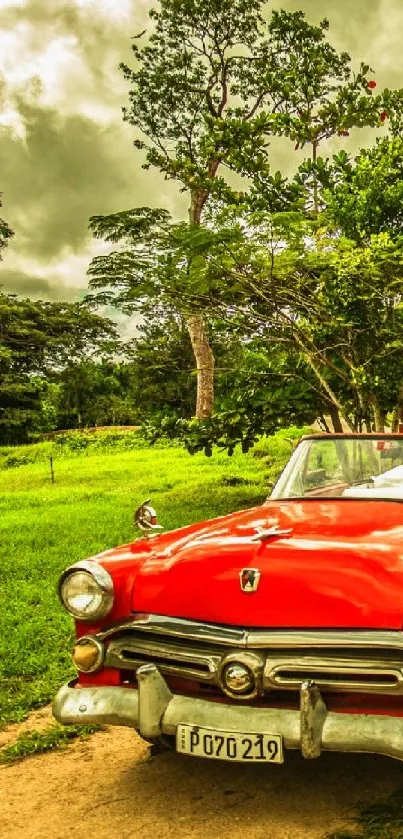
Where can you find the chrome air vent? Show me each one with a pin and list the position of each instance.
(335, 674)
(130, 651)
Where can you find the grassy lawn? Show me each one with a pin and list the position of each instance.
(89, 508)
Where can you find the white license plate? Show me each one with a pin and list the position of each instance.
(229, 745)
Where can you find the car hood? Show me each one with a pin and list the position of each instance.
(340, 566)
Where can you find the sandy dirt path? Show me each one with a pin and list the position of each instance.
(108, 787)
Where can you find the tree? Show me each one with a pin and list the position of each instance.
(212, 84)
(5, 233)
(335, 303)
(37, 339)
(92, 393)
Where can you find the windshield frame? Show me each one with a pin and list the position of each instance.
(298, 454)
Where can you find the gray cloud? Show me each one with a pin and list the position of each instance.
(66, 154)
(18, 282)
(64, 170)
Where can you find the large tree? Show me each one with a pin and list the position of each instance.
(212, 84)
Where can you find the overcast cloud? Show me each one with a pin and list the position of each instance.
(65, 153)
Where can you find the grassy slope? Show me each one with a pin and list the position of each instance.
(44, 528)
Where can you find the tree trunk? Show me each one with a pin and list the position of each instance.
(201, 348)
(205, 366)
(379, 416)
(336, 421)
(398, 412)
(322, 421)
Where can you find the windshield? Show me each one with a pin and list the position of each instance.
(350, 467)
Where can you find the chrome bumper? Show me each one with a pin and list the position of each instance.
(153, 710)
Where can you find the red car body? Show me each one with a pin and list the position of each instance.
(311, 658)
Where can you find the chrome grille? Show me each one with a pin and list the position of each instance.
(334, 673)
(131, 650)
(358, 661)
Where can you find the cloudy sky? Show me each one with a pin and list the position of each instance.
(65, 153)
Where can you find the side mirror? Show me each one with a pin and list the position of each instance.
(145, 518)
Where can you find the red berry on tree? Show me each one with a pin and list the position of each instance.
(345, 133)
(372, 84)
(383, 115)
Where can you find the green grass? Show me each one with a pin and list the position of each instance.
(44, 528)
(38, 742)
(383, 820)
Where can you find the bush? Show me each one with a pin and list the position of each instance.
(105, 439)
(12, 456)
(72, 443)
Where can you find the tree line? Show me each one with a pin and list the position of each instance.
(279, 298)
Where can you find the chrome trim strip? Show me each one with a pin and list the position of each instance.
(180, 628)
(310, 729)
(255, 638)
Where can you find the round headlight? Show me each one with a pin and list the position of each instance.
(86, 591)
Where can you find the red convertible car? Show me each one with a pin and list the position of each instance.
(275, 628)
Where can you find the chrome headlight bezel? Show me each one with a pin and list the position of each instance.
(104, 583)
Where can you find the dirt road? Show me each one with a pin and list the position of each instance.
(109, 788)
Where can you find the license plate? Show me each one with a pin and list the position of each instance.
(229, 745)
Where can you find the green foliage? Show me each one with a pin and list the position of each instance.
(213, 82)
(101, 440)
(209, 89)
(365, 196)
(38, 338)
(226, 430)
(160, 362)
(332, 304)
(39, 742)
(93, 393)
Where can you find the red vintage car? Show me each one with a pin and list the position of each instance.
(275, 628)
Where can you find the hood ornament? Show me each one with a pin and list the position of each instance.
(265, 533)
(249, 579)
(145, 518)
